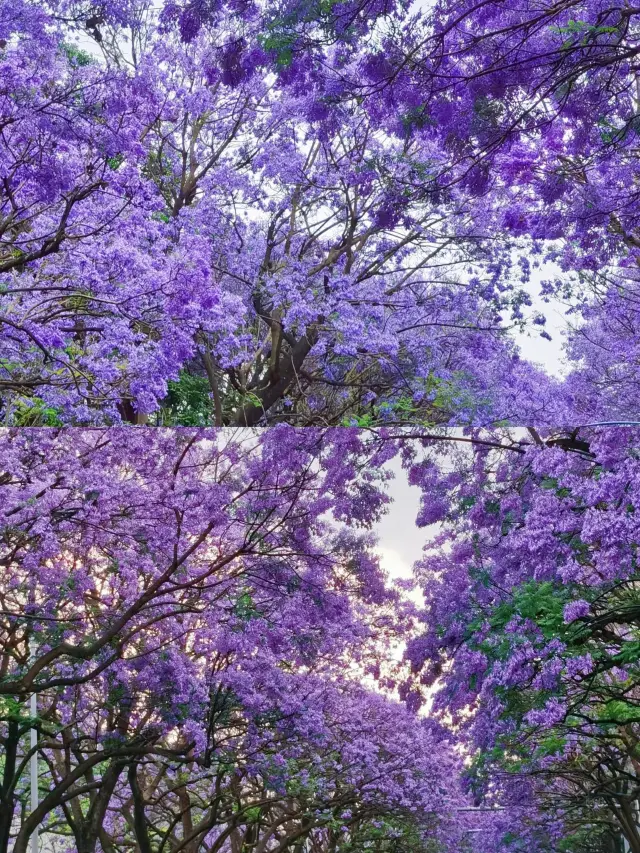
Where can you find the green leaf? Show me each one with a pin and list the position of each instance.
(115, 161)
(76, 56)
(188, 402)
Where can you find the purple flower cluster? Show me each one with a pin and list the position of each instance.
(576, 610)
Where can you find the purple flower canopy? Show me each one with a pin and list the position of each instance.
(530, 648)
(208, 632)
(198, 614)
(317, 216)
(232, 213)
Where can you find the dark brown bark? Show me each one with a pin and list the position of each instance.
(139, 819)
(7, 799)
(290, 365)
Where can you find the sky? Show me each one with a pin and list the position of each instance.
(548, 354)
(400, 541)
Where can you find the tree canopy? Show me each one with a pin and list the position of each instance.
(318, 213)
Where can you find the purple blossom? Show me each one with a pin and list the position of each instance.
(576, 610)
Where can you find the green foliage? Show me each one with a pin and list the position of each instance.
(442, 395)
(581, 33)
(10, 708)
(620, 712)
(574, 27)
(608, 130)
(416, 118)
(552, 483)
(296, 787)
(188, 402)
(553, 744)
(245, 608)
(629, 653)
(34, 412)
(115, 161)
(252, 815)
(585, 838)
(542, 603)
(76, 56)
(115, 695)
(488, 110)
(281, 43)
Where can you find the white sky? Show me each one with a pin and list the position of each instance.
(401, 541)
(548, 354)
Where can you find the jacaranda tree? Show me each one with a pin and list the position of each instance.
(319, 214)
(531, 625)
(197, 614)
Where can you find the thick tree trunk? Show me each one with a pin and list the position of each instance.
(139, 820)
(7, 799)
(630, 827)
(88, 834)
(251, 413)
(64, 791)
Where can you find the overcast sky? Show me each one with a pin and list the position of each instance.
(548, 354)
(400, 540)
